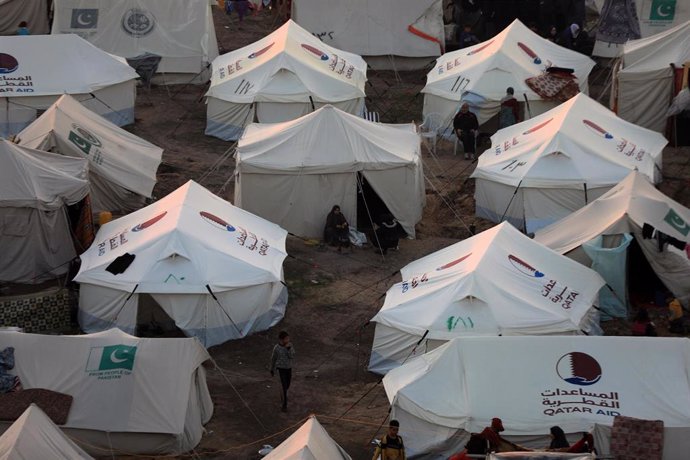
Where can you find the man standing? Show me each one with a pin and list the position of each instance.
(391, 447)
(281, 359)
(466, 125)
(509, 113)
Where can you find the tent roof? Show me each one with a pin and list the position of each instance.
(507, 59)
(34, 435)
(326, 140)
(310, 442)
(36, 179)
(578, 142)
(60, 64)
(634, 200)
(152, 378)
(502, 268)
(115, 154)
(535, 382)
(658, 51)
(288, 65)
(185, 242)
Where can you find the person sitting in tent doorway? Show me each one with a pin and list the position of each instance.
(509, 113)
(387, 235)
(558, 439)
(466, 125)
(676, 320)
(23, 28)
(337, 230)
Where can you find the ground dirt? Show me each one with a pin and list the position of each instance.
(332, 296)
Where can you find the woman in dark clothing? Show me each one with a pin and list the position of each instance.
(337, 231)
(387, 235)
(558, 439)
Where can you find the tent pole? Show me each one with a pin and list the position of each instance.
(313, 108)
(585, 186)
(511, 202)
(529, 110)
(123, 306)
(239, 332)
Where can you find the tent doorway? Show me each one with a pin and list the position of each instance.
(644, 286)
(153, 321)
(370, 207)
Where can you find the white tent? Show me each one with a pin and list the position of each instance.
(643, 85)
(389, 34)
(542, 169)
(626, 208)
(281, 77)
(484, 285)
(292, 173)
(480, 74)
(214, 269)
(35, 70)
(34, 435)
(621, 21)
(130, 394)
(34, 12)
(181, 32)
(310, 442)
(534, 383)
(35, 189)
(122, 166)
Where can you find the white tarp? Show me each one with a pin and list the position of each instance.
(310, 442)
(35, 70)
(34, 12)
(292, 173)
(646, 17)
(488, 68)
(122, 166)
(34, 435)
(498, 282)
(281, 77)
(189, 247)
(560, 161)
(625, 209)
(35, 187)
(369, 29)
(533, 383)
(644, 82)
(121, 385)
(180, 31)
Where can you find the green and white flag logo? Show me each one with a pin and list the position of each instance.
(662, 10)
(111, 357)
(677, 222)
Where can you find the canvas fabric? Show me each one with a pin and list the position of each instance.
(547, 371)
(312, 163)
(310, 442)
(181, 32)
(122, 166)
(34, 12)
(488, 68)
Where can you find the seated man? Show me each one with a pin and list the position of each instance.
(466, 125)
(496, 442)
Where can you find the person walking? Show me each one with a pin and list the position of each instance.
(391, 446)
(281, 360)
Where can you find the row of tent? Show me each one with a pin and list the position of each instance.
(291, 72)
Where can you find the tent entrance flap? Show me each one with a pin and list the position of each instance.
(152, 320)
(370, 206)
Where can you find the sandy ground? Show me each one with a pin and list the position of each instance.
(332, 296)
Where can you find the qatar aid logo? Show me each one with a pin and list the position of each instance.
(537, 128)
(598, 130)
(578, 368)
(315, 52)
(524, 268)
(8, 63)
(148, 223)
(256, 54)
(111, 362)
(528, 51)
(216, 221)
(480, 49)
(453, 263)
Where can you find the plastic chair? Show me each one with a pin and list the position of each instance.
(458, 141)
(428, 130)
